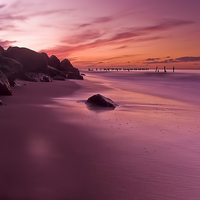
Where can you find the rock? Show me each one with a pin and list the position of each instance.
(36, 77)
(5, 88)
(1, 103)
(58, 78)
(55, 72)
(48, 60)
(72, 72)
(72, 75)
(55, 61)
(100, 100)
(1, 50)
(30, 60)
(11, 68)
(67, 67)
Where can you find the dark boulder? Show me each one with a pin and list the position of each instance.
(59, 78)
(1, 103)
(30, 60)
(72, 75)
(55, 61)
(36, 77)
(67, 67)
(5, 88)
(11, 68)
(55, 72)
(1, 50)
(101, 101)
(70, 70)
(48, 60)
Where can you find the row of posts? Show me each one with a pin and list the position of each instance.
(126, 69)
(116, 69)
(157, 70)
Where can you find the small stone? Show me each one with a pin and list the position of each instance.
(101, 101)
(1, 103)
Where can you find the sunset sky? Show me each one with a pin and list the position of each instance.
(94, 33)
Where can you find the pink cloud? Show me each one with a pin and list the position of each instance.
(6, 43)
(84, 25)
(187, 59)
(28, 10)
(64, 50)
(129, 33)
(11, 17)
(152, 59)
(103, 20)
(83, 37)
(122, 47)
(119, 57)
(166, 25)
(2, 6)
(99, 20)
(93, 38)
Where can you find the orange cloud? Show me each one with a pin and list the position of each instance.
(176, 60)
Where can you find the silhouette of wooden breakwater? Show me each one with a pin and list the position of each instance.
(117, 69)
(127, 69)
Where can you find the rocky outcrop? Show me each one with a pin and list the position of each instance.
(29, 65)
(56, 62)
(101, 101)
(5, 88)
(66, 66)
(72, 72)
(1, 50)
(11, 68)
(58, 78)
(48, 60)
(55, 72)
(72, 75)
(36, 77)
(30, 60)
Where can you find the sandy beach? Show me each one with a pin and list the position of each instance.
(53, 147)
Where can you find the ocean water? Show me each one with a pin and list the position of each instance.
(183, 85)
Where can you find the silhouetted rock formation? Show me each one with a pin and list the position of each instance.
(16, 62)
(100, 100)
(1, 50)
(48, 60)
(36, 77)
(58, 78)
(72, 72)
(55, 61)
(30, 60)
(1, 103)
(52, 69)
(5, 88)
(72, 75)
(26, 64)
(55, 72)
(11, 68)
(66, 66)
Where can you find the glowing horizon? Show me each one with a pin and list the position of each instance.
(92, 33)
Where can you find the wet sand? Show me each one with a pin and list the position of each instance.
(54, 147)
